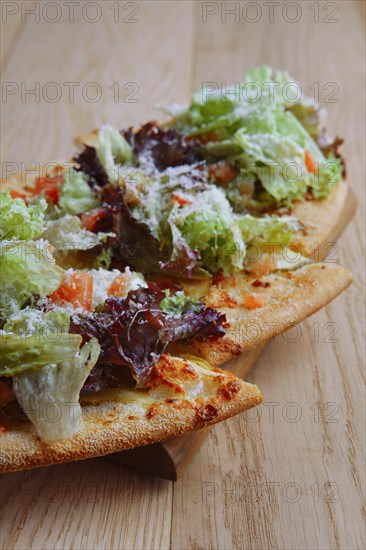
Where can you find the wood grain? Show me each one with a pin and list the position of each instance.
(312, 452)
(256, 456)
(12, 23)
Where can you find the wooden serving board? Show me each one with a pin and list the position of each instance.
(168, 459)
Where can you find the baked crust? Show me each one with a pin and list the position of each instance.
(179, 396)
(290, 298)
(320, 219)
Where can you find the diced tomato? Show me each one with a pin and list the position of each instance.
(91, 218)
(119, 285)
(310, 163)
(49, 186)
(181, 200)
(252, 301)
(76, 289)
(16, 195)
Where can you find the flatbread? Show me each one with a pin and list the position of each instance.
(184, 399)
(290, 298)
(179, 396)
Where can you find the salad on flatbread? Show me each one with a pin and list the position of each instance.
(130, 273)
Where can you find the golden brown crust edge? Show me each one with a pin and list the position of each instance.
(112, 426)
(291, 298)
(320, 219)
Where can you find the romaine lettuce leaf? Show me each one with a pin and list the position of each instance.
(104, 259)
(179, 303)
(19, 221)
(310, 115)
(76, 196)
(27, 269)
(21, 353)
(48, 369)
(67, 233)
(223, 110)
(277, 159)
(207, 226)
(30, 321)
(50, 395)
(273, 229)
(267, 125)
(112, 150)
(328, 176)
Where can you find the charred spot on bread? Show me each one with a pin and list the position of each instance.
(207, 413)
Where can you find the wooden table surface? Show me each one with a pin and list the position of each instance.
(290, 474)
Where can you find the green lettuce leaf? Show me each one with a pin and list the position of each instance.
(30, 321)
(67, 233)
(273, 229)
(27, 269)
(277, 159)
(28, 353)
(75, 195)
(104, 259)
(328, 176)
(208, 226)
(48, 374)
(223, 110)
(113, 150)
(308, 112)
(266, 125)
(19, 221)
(179, 303)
